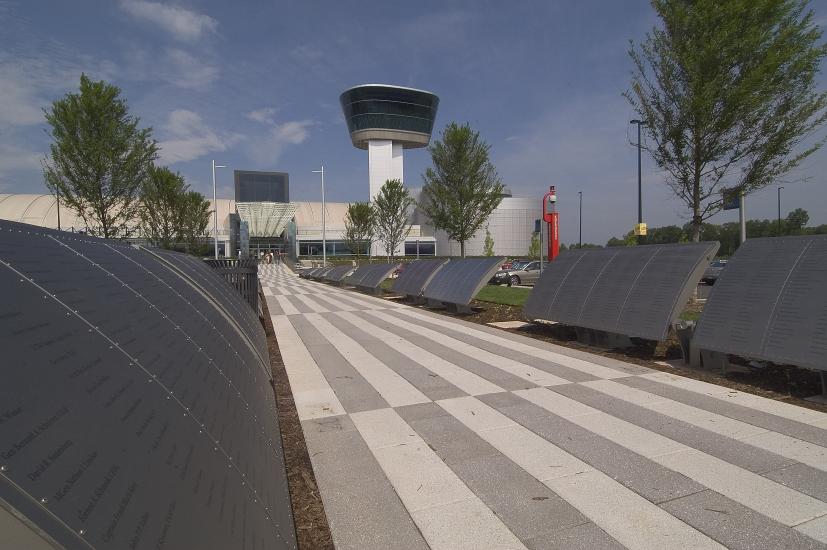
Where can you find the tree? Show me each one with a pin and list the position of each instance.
(462, 188)
(489, 243)
(390, 212)
(795, 222)
(534, 246)
(170, 213)
(728, 91)
(99, 157)
(162, 206)
(195, 217)
(359, 226)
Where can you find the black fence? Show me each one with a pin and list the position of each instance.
(242, 274)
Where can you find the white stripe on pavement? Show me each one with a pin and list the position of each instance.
(629, 518)
(571, 362)
(467, 381)
(393, 388)
(449, 515)
(286, 306)
(752, 490)
(312, 304)
(774, 442)
(521, 370)
(312, 394)
(769, 406)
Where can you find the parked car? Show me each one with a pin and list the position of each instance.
(510, 264)
(499, 279)
(713, 271)
(524, 274)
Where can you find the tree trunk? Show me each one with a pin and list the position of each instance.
(462, 248)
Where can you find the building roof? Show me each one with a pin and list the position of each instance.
(266, 219)
(41, 210)
(309, 214)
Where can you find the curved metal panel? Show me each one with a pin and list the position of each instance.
(415, 276)
(637, 291)
(460, 280)
(371, 276)
(137, 414)
(338, 273)
(770, 302)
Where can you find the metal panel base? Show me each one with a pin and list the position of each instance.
(603, 339)
(375, 291)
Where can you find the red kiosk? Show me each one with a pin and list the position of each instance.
(550, 216)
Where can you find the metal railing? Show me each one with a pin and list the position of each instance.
(242, 274)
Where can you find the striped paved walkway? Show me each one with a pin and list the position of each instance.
(430, 432)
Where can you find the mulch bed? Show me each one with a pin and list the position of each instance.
(312, 529)
(780, 382)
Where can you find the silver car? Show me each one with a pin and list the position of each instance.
(525, 274)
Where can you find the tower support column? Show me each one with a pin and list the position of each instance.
(384, 163)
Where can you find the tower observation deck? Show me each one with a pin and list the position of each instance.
(386, 120)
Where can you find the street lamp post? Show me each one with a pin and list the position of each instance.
(640, 238)
(580, 219)
(779, 209)
(324, 221)
(215, 207)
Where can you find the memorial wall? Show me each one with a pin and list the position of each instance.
(135, 403)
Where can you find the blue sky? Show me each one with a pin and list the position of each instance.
(255, 85)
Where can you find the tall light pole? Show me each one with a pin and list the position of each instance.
(640, 238)
(324, 221)
(580, 219)
(779, 210)
(215, 207)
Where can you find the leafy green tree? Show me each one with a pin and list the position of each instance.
(359, 227)
(391, 207)
(728, 91)
(462, 188)
(534, 246)
(489, 243)
(162, 207)
(795, 222)
(195, 217)
(170, 213)
(99, 158)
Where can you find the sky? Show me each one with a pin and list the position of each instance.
(255, 86)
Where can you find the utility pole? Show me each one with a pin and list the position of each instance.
(641, 239)
(742, 216)
(324, 221)
(580, 219)
(57, 196)
(215, 207)
(779, 210)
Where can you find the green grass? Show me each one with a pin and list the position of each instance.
(387, 284)
(690, 315)
(510, 296)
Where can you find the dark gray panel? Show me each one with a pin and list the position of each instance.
(321, 272)
(371, 276)
(459, 280)
(338, 273)
(210, 282)
(415, 276)
(134, 414)
(637, 291)
(770, 302)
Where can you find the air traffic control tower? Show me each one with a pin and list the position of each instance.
(386, 120)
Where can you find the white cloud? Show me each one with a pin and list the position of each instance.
(31, 83)
(182, 24)
(263, 115)
(268, 149)
(183, 70)
(189, 138)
